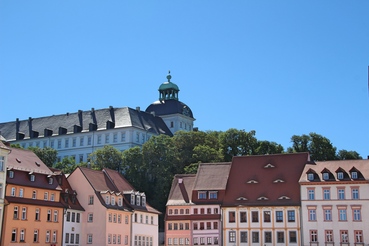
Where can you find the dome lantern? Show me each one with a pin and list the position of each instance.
(168, 90)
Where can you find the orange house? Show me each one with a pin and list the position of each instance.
(33, 214)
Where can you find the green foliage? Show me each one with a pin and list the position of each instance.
(348, 155)
(268, 148)
(18, 146)
(108, 157)
(67, 165)
(235, 142)
(47, 155)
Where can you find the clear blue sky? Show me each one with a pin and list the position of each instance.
(277, 67)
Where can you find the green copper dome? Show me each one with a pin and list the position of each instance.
(168, 90)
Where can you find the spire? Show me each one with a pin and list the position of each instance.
(169, 76)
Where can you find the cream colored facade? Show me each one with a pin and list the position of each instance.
(4, 151)
(272, 225)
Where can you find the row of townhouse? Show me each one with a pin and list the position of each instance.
(42, 206)
(282, 199)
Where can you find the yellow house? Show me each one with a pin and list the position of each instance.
(33, 214)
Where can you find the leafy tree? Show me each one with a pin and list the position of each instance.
(206, 154)
(268, 148)
(47, 155)
(67, 165)
(191, 169)
(348, 155)
(108, 157)
(133, 168)
(237, 142)
(300, 143)
(18, 146)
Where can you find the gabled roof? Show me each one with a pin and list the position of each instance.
(212, 176)
(181, 189)
(265, 192)
(111, 181)
(119, 117)
(27, 161)
(362, 166)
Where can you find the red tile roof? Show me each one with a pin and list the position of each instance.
(212, 176)
(180, 192)
(265, 180)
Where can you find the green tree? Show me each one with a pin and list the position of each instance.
(268, 148)
(133, 167)
(108, 157)
(47, 155)
(237, 142)
(18, 146)
(300, 143)
(348, 155)
(206, 154)
(67, 165)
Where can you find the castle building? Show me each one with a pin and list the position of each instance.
(79, 134)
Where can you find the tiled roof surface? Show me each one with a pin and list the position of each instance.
(265, 180)
(345, 165)
(122, 117)
(26, 160)
(170, 106)
(178, 195)
(212, 176)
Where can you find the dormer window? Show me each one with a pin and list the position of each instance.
(11, 174)
(51, 181)
(143, 201)
(284, 198)
(252, 181)
(310, 176)
(278, 181)
(262, 198)
(202, 194)
(325, 176)
(112, 200)
(107, 199)
(132, 199)
(241, 198)
(269, 166)
(119, 201)
(32, 178)
(340, 175)
(354, 175)
(138, 199)
(213, 195)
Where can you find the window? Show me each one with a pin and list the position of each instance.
(59, 143)
(340, 175)
(89, 140)
(34, 194)
(266, 216)
(170, 226)
(325, 176)
(89, 238)
(90, 200)
(243, 218)
(208, 239)
(74, 142)
(232, 216)
(195, 226)
(138, 200)
(71, 238)
(48, 215)
(152, 220)
(279, 216)
(112, 200)
(255, 216)
(310, 176)
(312, 214)
(313, 236)
(358, 236)
(202, 226)
(126, 220)
(342, 214)
(20, 192)
(344, 236)
(55, 215)
(35, 236)
(15, 213)
(291, 215)
(24, 213)
(46, 196)
(107, 200)
(47, 238)
(114, 218)
(243, 236)
(107, 138)
(90, 217)
(37, 214)
(357, 214)
(11, 174)
(202, 211)
(73, 216)
(67, 238)
(52, 197)
(2, 160)
(327, 215)
(109, 238)
(341, 194)
(268, 236)
(132, 199)
(293, 236)
(311, 194)
(77, 239)
(354, 175)
(255, 237)
(280, 237)
(232, 236)
(326, 194)
(14, 235)
(216, 211)
(21, 237)
(13, 191)
(355, 193)
(202, 195)
(143, 201)
(119, 218)
(213, 195)
(66, 143)
(328, 236)
(99, 139)
(215, 225)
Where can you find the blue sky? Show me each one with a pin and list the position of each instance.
(277, 67)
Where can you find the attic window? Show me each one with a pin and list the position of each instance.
(241, 198)
(278, 181)
(340, 175)
(325, 176)
(310, 176)
(284, 198)
(37, 164)
(51, 181)
(354, 175)
(32, 178)
(11, 174)
(252, 181)
(262, 198)
(269, 166)
(19, 161)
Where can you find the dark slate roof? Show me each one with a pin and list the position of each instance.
(361, 166)
(180, 192)
(168, 107)
(120, 117)
(265, 180)
(212, 176)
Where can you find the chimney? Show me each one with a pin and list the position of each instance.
(112, 115)
(138, 109)
(80, 118)
(180, 181)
